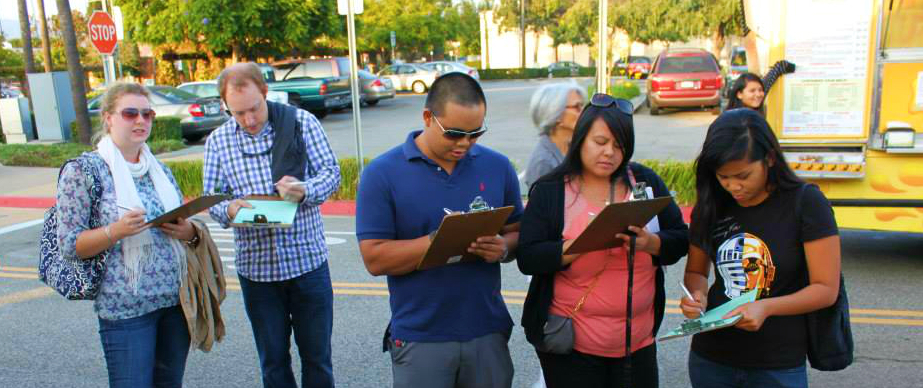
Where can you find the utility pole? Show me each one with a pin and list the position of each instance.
(46, 41)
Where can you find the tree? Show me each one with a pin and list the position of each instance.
(26, 34)
(540, 16)
(75, 70)
(130, 57)
(466, 23)
(418, 24)
(46, 40)
(243, 29)
(716, 19)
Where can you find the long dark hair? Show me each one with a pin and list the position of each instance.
(620, 125)
(739, 85)
(739, 134)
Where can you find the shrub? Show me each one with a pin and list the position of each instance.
(349, 179)
(40, 155)
(188, 174)
(679, 176)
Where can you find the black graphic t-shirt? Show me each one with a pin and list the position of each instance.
(763, 247)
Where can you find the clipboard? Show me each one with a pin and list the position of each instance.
(190, 209)
(616, 218)
(267, 212)
(458, 231)
(712, 318)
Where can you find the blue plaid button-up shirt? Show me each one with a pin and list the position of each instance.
(239, 163)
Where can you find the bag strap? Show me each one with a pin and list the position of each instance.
(589, 289)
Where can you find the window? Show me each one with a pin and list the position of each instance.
(343, 66)
(406, 70)
(691, 64)
(387, 71)
(174, 94)
(904, 29)
(739, 58)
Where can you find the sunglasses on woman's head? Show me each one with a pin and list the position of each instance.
(458, 134)
(132, 114)
(604, 101)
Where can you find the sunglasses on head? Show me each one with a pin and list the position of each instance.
(132, 114)
(458, 134)
(604, 101)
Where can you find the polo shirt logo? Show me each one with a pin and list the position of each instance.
(482, 186)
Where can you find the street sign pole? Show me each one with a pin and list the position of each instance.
(393, 43)
(602, 76)
(354, 80)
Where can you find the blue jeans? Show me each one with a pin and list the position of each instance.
(707, 374)
(146, 351)
(304, 305)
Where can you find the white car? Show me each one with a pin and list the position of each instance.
(410, 76)
(453, 67)
(209, 89)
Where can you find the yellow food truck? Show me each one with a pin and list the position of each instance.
(850, 118)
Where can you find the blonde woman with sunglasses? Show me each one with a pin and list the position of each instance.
(141, 325)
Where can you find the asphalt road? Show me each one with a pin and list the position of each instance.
(49, 341)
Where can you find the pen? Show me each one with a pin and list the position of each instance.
(447, 211)
(124, 207)
(689, 295)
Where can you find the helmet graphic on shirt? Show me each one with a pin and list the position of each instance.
(745, 263)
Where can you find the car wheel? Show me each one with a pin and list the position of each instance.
(655, 110)
(372, 102)
(419, 87)
(319, 113)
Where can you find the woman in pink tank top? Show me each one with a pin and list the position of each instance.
(613, 338)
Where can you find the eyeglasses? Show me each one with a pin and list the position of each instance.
(604, 101)
(578, 107)
(131, 114)
(458, 134)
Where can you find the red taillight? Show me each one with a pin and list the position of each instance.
(658, 84)
(377, 83)
(196, 110)
(323, 90)
(714, 83)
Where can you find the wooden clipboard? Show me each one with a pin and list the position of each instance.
(616, 218)
(280, 215)
(190, 209)
(458, 231)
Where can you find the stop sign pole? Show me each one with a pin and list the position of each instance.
(102, 33)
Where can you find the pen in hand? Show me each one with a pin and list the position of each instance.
(689, 295)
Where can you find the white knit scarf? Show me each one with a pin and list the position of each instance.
(138, 250)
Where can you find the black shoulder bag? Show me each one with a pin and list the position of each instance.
(830, 344)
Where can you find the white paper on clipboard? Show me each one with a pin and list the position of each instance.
(654, 225)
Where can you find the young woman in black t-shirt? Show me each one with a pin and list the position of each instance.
(761, 227)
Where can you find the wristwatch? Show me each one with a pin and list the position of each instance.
(507, 257)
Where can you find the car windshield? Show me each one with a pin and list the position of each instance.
(640, 60)
(686, 64)
(739, 58)
(173, 94)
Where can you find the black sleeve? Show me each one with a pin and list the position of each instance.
(539, 250)
(776, 71)
(817, 220)
(674, 233)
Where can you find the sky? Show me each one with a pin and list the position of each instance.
(9, 10)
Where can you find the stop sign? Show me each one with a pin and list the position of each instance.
(102, 32)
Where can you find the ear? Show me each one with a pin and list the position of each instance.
(427, 117)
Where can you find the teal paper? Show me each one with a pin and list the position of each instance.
(712, 318)
(276, 212)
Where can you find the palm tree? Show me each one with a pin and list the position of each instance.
(26, 33)
(46, 41)
(75, 70)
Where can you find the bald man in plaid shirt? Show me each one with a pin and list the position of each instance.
(283, 272)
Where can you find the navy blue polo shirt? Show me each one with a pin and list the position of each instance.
(401, 196)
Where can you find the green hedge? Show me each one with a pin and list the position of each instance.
(39, 155)
(528, 73)
(164, 128)
(678, 176)
(619, 89)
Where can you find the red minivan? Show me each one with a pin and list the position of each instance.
(684, 78)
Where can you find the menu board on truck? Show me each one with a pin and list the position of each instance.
(828, 41)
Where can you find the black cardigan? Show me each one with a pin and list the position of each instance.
(541, 242)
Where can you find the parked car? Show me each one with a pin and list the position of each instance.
(410, 76)
(374, 89)
(684, 78)
(198, 116)
(209, 89)
(573, 67)
(322, 85)
(635, 67)
(452, 67)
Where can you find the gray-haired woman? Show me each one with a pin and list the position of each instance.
(554, 109)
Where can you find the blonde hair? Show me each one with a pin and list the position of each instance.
(238, 75)
(110, 99)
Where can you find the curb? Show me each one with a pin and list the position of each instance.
(329, 208)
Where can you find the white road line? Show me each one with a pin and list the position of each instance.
(21, 225)
(230, 250)
(221, 240)
(227, 259)
(341, 233)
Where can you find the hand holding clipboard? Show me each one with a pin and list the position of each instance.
(614, 219)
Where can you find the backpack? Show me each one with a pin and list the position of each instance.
(75, 279)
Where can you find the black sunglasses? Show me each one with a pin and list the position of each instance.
(132, 114)
(604, 101)
(458, 134)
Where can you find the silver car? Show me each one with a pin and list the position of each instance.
(410, 76)
(453, 67)
(209, 89)
(198, 116)
(373, 88)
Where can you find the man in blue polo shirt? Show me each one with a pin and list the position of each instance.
(449, 325)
